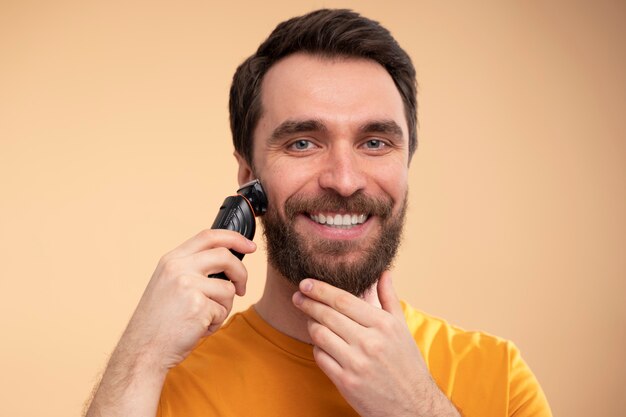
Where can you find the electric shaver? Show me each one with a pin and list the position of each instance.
(238, 213)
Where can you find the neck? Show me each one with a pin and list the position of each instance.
(277, 309)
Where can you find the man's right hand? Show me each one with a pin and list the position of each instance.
(179, 307)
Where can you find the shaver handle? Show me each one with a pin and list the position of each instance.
(235, 214)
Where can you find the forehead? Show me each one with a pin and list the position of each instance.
(339, 91)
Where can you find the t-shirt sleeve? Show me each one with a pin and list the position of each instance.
(526, 398)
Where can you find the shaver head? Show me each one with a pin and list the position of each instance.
(254, 193)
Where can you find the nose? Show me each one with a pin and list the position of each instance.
(342, 172)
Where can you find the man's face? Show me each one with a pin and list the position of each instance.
(331, 149)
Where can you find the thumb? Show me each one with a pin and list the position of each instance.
(387, 296)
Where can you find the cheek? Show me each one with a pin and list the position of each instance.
(281, 181)
(393, 180)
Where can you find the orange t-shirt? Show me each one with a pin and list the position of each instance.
(248, 368)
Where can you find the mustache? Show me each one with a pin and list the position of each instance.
(332, 202)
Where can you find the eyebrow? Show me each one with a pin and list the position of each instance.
(388, 127)
(290, 127)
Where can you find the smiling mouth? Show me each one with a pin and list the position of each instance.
(339, 220)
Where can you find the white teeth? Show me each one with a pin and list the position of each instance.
(343, 221)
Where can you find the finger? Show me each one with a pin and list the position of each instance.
(213, 238)
(217, 290)
(218, 260)
(387, 296)
(342, 326)
(210, 304)
(329, 342)
(211, 261)
(327, 364)
(217, 315)
(342, 301)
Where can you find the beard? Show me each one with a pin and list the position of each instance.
(297, 257)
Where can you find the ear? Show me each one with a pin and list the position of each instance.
(244, 173)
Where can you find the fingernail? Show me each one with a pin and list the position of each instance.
(297, 298)
(306, 285)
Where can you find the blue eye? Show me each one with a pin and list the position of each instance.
(374, 144)
(301, 145)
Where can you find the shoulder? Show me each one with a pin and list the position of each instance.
(428, 330)
(469, 365)
(453, 354)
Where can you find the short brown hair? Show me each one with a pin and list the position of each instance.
(323, 32)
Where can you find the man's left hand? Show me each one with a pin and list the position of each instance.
(368, 352)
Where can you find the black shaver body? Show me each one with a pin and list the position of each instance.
(238, 213)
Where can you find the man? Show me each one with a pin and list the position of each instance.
(324, 114)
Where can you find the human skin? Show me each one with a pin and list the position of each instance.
(179, 307)
(359, 143)
(346, 133)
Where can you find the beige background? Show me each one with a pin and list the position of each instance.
(115, 148)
